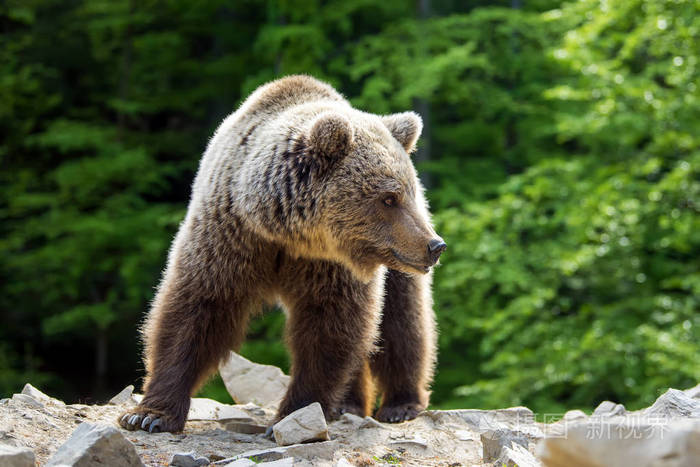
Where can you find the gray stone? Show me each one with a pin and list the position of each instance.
(517, 456)
(639, 441)
(494, 441)
(14, 456)
(244, 427)
(303, 425)
(674, 403)
(92, 444)
(31, 391)
(188, 459)
(343, 462)
(609, 409)
(29, 400)
(246, 381)
(124, 396)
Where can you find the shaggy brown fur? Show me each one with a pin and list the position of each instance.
(304, 201)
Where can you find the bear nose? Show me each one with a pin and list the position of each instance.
(435, 248)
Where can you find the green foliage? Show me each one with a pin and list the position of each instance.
(561, 142)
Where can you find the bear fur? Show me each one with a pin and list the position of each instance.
(303, 201)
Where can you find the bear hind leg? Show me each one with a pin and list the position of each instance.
(359, 397)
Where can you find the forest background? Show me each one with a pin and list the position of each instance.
(561, 153)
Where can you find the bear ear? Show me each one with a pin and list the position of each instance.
(405, 127)
(330, 136)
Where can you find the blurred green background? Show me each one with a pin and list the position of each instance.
(561, 152)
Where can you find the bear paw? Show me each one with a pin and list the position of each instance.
(347, 407)
(398, 413)
(153, 421)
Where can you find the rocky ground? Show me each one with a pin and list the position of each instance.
(36, 429)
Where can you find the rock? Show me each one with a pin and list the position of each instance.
(464, 435)
(343, 462)
(609, 409)
(246, 428)
(573, 415)
(241, 463)
(286, 462)
(517, 456)
(369, 422)
(482, 420)
(351, 419)
(31, 391)
(624, 441)
(92, 444)
(264, 385)
(674, 403)
(693, 392)
(415, 442)
(29, 400)
(303, 425)
(323, 450)
(494, 441)
(14, 456)
(188, 459)
(208, 409)
(124, 396)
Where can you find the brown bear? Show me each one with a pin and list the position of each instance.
(303, 201)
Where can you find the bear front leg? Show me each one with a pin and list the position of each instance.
(186, 336)
(331, 330)
(404, 363)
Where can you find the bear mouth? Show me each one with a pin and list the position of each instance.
(406, 262)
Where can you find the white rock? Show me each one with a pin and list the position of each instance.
(188, 459)
(482, 420)
(573, 415)
(693, 392)
(286, 462)
(29, 400)
(264, 385)
(370, 422)
(609, 409)
(92, 444)
(323, 450)
(300, 426)
(495, 441)
(13, 456)
(517, 456)
(674, 403)
(241, 463)
(40, 396)
(124, 396)
(343, 462)
(638, 441)
(464, 435)
(202, 408)
(415, 441)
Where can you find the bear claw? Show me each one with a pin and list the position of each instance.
(397, 414)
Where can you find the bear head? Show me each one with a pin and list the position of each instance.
(372, 210)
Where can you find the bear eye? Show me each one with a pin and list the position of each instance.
(390, 201)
